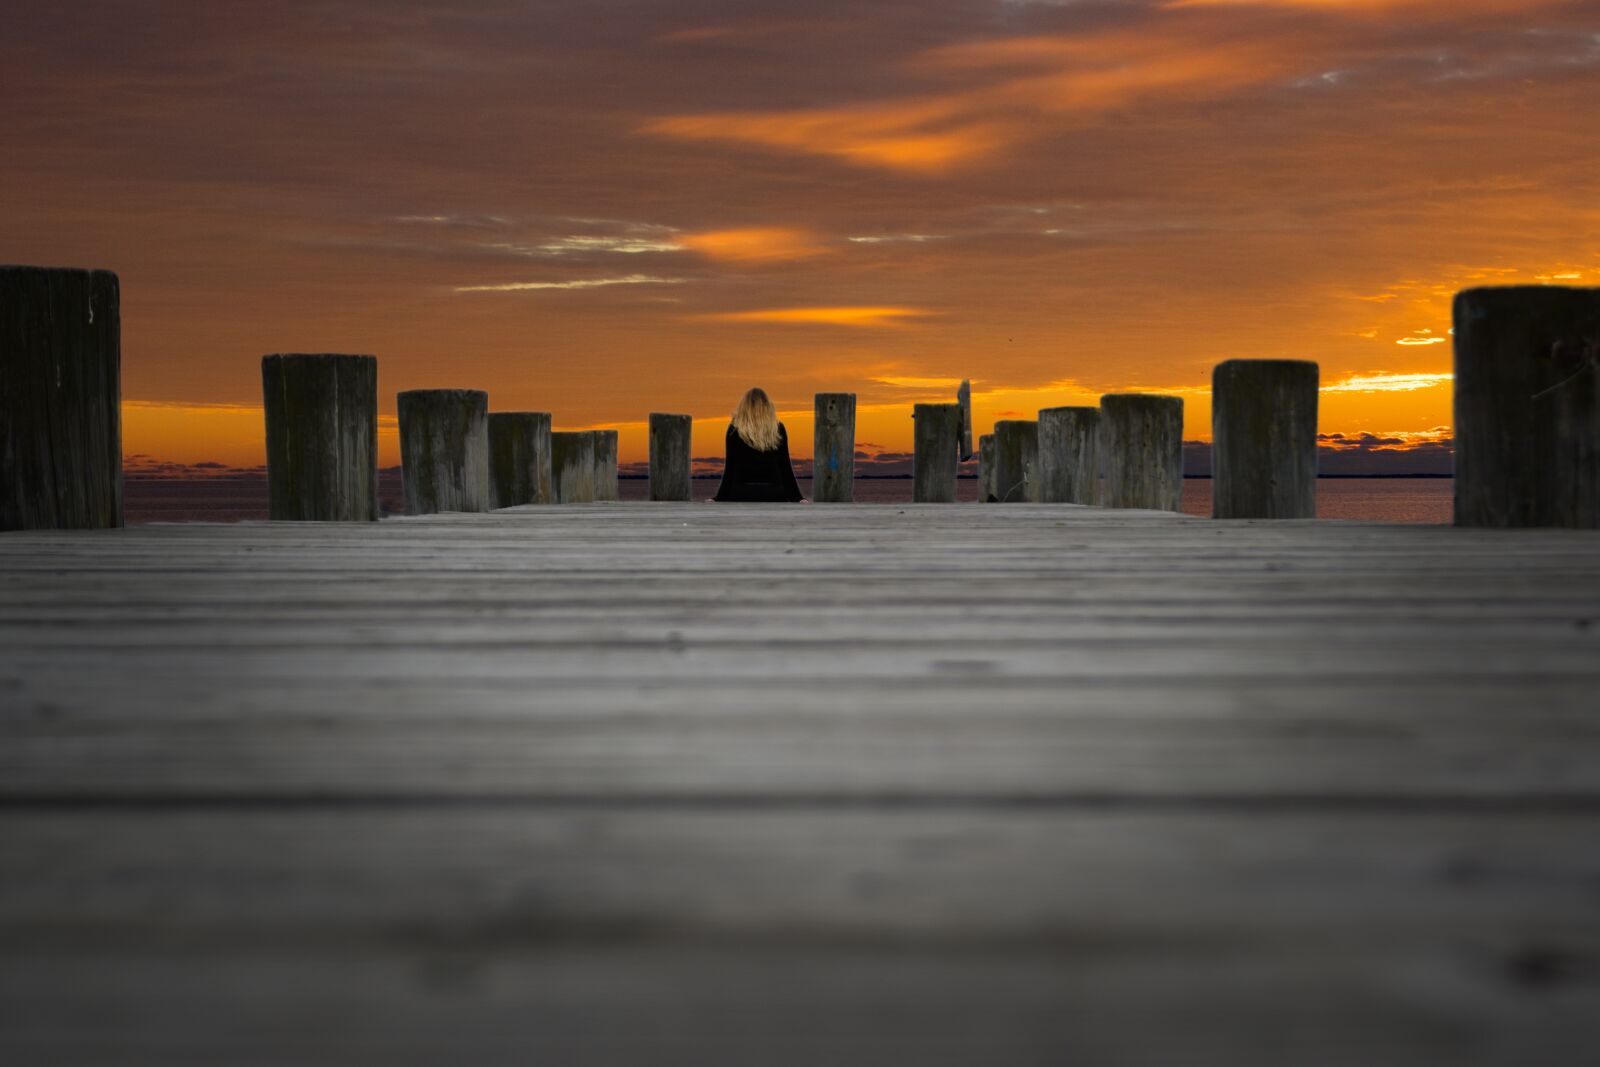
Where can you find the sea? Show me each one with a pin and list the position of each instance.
(243, 497)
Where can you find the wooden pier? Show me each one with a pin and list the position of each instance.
(691, 784)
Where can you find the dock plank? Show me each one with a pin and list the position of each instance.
(686, 784)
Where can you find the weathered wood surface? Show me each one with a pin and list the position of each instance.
(682, 784)
(1527, 407)
(322, 436)
(935, 458)
(444, 450)
(572, 466)
(1069, 455)
(1016, 461)
(1141, 435)
(519, 458)
(605, 464)
(833, 453)
(60, 399)
(1264, 439)
(670, 454)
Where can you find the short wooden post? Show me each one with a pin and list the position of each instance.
(519, 458)
(1069, 455)
(444, 450)
(670, 437)
(936, 439)
(1264, 439)
(605, 464)
(1016, 461)
(322, 437)
(60, 399)
(1142, 436)
(833, 449)
(572, 466)
(1527, 407)
(986, 469)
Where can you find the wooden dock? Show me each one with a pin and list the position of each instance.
(768, 785)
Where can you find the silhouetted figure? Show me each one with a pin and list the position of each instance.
(757, 467)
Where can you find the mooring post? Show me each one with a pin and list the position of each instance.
(60, 399)
(833, 449)
(1264, 439)
(1069, 455)
(519, 458)
(322, 437)
(1527, 407)
(605, 464)
(670, 437)
(1142, 435)
(1016, 461)
(444, 450)
(572, 466)
(934, 460)
(986, 469)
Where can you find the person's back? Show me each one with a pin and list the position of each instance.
(757, 466)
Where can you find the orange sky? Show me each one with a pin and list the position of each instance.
(608, 208)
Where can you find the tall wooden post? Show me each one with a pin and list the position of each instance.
(444, 450)
(605, 464)
(519, 458)
(936, 439)
(1069, 455)
(60, 399)
(986, 469)
(1264, 439)
(1142, 435)
(833, 449)
(1527, 407)
(572, 466)
(670, 442)
(322, 437)
(1016, 461)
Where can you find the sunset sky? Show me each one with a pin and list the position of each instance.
(615, 206)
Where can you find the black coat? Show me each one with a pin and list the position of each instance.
(761, 476)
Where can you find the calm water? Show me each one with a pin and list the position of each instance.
(241, 498)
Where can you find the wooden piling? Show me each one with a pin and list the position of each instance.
(1142, 437)
(1264, 439)
(986, 469)
(670, 442)
(1016, 461)
(1069, 455)
(519, 458)
(934, 456)
(605, 465)
(444, 450)
(322, 437)
(60, 399)
(572, 466)
(833, 450)
(1527, 407)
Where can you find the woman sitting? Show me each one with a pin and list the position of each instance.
(757, 465)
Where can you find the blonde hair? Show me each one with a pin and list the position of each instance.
(757, 421)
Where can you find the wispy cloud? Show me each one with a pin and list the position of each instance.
(577, 283)
(1383, 382)
(894, 238)
(827, 316)
(756, 244)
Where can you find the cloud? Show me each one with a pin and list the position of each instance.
(892, 238)
(580, 243)
(908, 382)
(579, 283)
(1025, 88)
(827, 316)
(756, 244)
(1384, 382)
